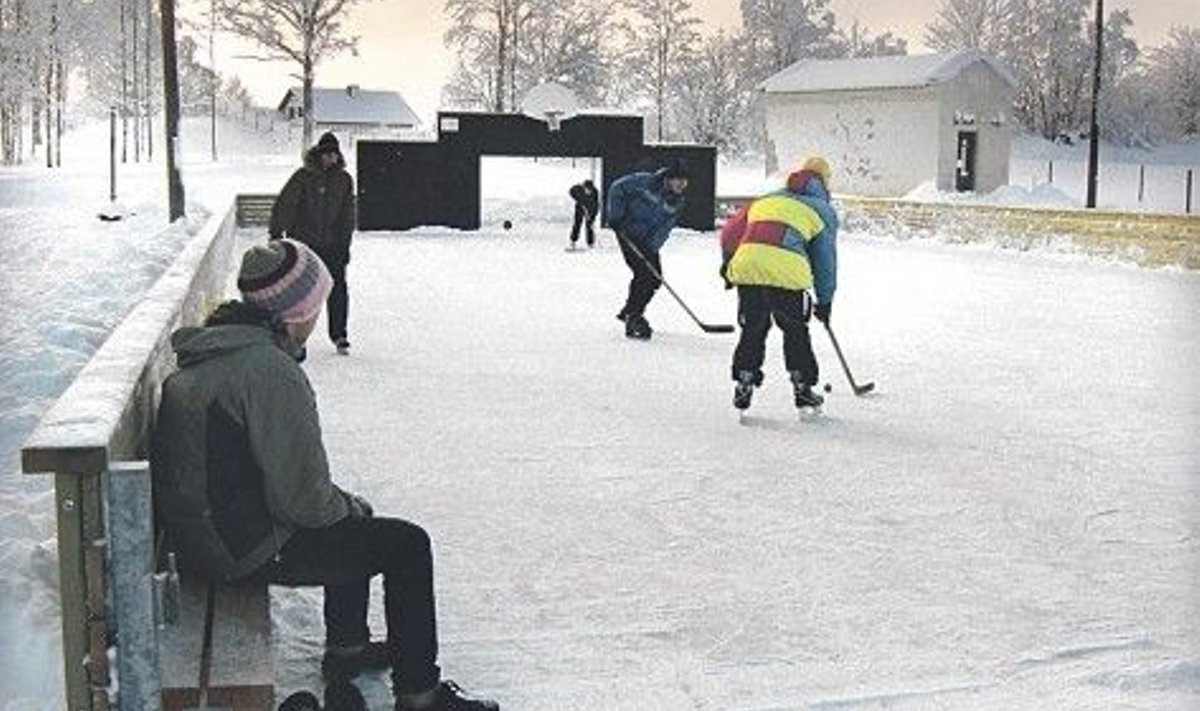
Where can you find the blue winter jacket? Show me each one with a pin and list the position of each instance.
(643, 209)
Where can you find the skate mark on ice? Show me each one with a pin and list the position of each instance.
(888, 700)
(796, 423)
(1070, 654)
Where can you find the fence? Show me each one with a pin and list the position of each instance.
(94, 441)
(1124, 186)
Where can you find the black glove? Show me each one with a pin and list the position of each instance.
(822, 312)
(725, 275)
(359, 507)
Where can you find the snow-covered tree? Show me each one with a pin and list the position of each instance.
(302, 31)
(780, 32)
(713, 97)
(568, 44)
(971, 24)
(858, 42)
(487, 35)
(1174, 70)
(664, 40)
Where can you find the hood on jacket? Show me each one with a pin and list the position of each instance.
(807, 182)
(232, 326)
(312, 160)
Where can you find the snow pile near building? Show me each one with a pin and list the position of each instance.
(1007, 195)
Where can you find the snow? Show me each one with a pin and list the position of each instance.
(1008, 523)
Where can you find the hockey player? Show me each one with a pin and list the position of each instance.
(777, 251)
(642, 210)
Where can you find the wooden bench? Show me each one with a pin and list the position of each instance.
(95, 440)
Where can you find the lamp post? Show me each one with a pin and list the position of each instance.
(1094, 130)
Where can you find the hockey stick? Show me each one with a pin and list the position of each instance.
(706, 327)
(858, 389)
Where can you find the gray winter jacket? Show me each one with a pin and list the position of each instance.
(238, 463)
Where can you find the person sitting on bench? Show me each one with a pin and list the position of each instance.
(243, 489)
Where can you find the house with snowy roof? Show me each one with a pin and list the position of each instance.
(352, 112)
(890, 124)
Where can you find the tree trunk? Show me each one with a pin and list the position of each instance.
(134, 21)
(124, 87)
(175, 197)
(149, 78)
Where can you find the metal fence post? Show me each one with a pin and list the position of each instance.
(131, 537)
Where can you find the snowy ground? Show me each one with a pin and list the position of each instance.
(1009, 523)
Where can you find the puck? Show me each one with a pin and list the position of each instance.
(508, 224)
(828, 388)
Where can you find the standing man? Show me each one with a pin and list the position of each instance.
(316, 207)
(775, 251)
(243, 489)
(642, 209)
(587, 204)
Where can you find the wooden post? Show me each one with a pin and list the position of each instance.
(1141, 183)
(68, 495)
(175, 199)
(1050, 171)
(1188, 200)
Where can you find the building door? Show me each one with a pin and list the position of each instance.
(964, 167)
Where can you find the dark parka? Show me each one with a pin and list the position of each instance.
(643, 209)
(237, 458)
(586, 195)
(316, 207)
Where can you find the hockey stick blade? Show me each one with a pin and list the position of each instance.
(864, 388)
(717, 327)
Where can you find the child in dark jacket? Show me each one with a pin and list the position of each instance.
(587, 204)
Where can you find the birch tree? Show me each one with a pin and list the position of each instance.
(1174, 71)
(305, 32)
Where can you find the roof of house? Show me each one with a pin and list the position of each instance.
(895, 72)
(353, 104)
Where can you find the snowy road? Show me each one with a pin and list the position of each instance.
(1009, 523)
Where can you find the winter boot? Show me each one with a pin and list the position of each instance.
(623, 314)
(805, 397)
(446, 696)
(342, 664)
(342, 345)
(636, 326)
(744, 389)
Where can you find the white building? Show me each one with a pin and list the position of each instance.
(353, 112)
(889, 124)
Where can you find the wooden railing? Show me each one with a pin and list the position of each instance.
(94, 440)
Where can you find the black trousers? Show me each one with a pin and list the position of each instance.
(344, 557)
(644, 283)
(583, 217)
(757, 306)
(338, 304)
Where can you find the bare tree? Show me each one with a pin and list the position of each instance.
(301, 31)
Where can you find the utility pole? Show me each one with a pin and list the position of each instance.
(1094, 131)
(212, 79)
(171, 110)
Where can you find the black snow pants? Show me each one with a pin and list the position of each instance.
(791, 309)
(343, 558)
(644, 283)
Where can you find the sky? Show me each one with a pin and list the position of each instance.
(400, 46)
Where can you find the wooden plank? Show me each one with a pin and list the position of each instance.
(243, 664)
(72, 594)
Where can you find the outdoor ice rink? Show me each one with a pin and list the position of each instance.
(1008, 523)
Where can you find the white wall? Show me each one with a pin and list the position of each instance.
(979, 93)
(882, 142)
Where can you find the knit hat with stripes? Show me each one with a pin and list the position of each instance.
(285, 278)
